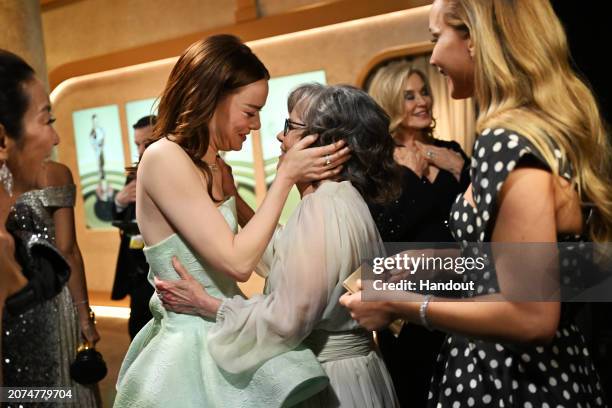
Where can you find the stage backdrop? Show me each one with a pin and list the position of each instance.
(99, 148)
(340, 50)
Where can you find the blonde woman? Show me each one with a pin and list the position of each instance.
(434, 172)
(404, 92)
(541, 166)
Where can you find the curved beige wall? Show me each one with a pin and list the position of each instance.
(22, 33)
(342, 50)
(100, 248)
(82, 29)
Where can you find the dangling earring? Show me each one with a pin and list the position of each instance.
(6, 178)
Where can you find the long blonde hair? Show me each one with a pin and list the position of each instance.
(524, 82)
(387, 89)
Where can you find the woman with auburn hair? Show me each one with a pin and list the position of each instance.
(540, 174)
(325, 240)
(434, 172)
(211, 103)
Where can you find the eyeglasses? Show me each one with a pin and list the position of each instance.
(291, 125)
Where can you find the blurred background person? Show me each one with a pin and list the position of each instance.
(132, 268)
(434, 172)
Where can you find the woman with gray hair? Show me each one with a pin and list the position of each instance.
(325, 240)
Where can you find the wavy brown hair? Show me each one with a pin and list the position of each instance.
(208, 71)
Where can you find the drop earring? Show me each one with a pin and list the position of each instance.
(6, 178)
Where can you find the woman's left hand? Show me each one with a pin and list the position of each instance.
(304, 163)
(370, 315)
(442, 158)
(186, 295)
(89, 332)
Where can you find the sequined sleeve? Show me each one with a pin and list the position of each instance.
(60, 196)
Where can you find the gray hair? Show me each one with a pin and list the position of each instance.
(345, 112)
(303, 93)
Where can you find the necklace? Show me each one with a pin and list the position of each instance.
(213, 166)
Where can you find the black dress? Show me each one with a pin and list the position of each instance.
(31, 346)
(478, 373)
(420, 214)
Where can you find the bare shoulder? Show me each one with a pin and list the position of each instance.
(161, 151)
(526, 208)
(164, 160)
(57, 174)
(527, 184)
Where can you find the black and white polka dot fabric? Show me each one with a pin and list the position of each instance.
(475, 373)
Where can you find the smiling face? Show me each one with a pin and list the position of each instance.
(452, 53)
(417, 103)
(236, 115)
(27, 154)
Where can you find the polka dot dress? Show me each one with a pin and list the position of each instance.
(475, 373)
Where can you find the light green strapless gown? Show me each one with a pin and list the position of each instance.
(168, 363)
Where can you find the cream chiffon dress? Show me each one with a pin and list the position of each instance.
(328, 236)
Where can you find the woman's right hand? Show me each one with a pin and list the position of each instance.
(89, 332)
(301, 163)
(186, 295)
(442, 157)
(411, 158)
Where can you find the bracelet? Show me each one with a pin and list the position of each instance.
(92, 316)
(423, 312)
(82, 302)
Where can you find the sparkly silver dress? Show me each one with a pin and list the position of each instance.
(39, 345)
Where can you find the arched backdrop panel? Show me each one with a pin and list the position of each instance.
(338, 53)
